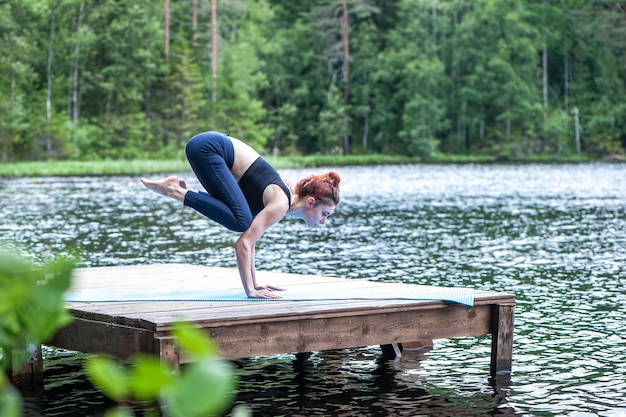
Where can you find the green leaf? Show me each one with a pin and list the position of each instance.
(12, 264)
(59, 275)
(148, 377)
(194, 342)
(31, 299)
(10, 401)
(204, 388)
(109, 376)
(120, 411)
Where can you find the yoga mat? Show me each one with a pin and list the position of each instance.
(313, 293)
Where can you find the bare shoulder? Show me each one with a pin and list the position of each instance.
(275, 209)
(243, 148)
(275, 199)
(245, 155)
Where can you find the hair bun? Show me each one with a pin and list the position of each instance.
(324, 187)
(334, 178)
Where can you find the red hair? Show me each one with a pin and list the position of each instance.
(324, 187)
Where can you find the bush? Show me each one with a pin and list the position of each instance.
(31, 310)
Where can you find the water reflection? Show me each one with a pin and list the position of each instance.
(354, 383)
(551, 234)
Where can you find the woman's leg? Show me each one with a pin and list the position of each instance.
(170, 187)
(211, 155)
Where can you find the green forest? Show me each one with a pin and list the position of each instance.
(126, 79)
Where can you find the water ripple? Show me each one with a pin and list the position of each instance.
(551, 234)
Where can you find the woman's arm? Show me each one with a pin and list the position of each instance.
(244, 249)
(257, 286)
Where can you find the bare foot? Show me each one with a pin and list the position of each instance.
(173, 187)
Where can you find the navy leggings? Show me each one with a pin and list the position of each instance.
(211, 155)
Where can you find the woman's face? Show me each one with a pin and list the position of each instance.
(316, 214)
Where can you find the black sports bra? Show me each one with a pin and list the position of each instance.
(256, 179)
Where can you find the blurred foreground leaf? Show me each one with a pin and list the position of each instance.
(109, 376)
(31, 298)
(205, 388)
(121, 411)
(149, 377)
(10, 400)
(32, 309)
(194, 342)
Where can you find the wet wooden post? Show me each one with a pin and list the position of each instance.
(26, 364)
(168, 352)
(502, 343)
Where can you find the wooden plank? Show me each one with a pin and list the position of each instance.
(232, 314)
(127, 312)
(142, 309)
(305, 335)
(360, 309)
(104, 338)
(228, 313)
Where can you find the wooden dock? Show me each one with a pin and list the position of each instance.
(253, 328)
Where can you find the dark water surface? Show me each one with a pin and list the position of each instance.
(554, 235)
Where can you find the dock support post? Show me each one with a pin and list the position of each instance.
(392, 351)
(26, 364)
(168, 352)
(502, 343)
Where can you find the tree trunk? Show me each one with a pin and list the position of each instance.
(565, 80)
(6, 144)
(213, 51)
(508, 128)
(576, 130)
(166, 25)
(366, 129)
(49, 89)
(74, 71)
(194, 21)
(544, 70)
(346, 73)
(481, 129)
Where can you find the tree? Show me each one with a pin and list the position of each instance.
(88, 79)
(31, 311)
(17, 61)
(420, 90)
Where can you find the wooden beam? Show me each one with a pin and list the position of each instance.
(104, 338)
(502, 342)
(311, 334)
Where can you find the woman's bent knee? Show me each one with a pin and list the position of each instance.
(243, 224)
(200, 142)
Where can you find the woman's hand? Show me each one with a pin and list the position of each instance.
(265, 292)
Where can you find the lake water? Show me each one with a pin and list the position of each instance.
(554, 235)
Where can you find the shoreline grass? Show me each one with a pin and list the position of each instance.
(145, 167)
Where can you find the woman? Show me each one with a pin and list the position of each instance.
(245, 194)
